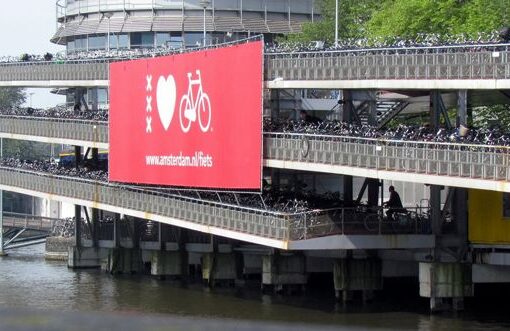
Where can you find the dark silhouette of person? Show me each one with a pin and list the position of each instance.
(307, 117)
(394, 203)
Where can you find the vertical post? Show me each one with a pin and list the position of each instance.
(347, 117)
(435, 111)
(95, 227)
(336, 23)
(461, 108)
(77, 226)
(1, 206)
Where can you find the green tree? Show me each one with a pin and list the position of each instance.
(351, 20)
(12, 97)
(408, 18)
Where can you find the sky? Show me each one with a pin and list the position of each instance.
(26, 26)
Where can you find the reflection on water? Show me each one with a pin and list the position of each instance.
(27, 281)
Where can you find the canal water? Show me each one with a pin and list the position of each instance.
(28, 282)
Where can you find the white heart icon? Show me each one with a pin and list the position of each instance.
(166, 95)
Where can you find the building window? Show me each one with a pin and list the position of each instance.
(193, 39)
(506, 205)
(97, 42)
(142, 40)
(80, 44)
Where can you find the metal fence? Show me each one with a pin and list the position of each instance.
(55, 70)
(466, 62)
(263, 223)
(31, 222)
(72, 129)
(441, 159)
(474, 64)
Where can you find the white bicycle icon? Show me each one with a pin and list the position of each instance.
(189, 106)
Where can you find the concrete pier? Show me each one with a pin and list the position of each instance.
(446, 284)
(279, 271)
(123, 261)
(363, 275)
(219, 268)
(85, 257)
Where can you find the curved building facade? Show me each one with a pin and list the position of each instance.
(84, 25)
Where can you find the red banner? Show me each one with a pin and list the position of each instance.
(189, 120)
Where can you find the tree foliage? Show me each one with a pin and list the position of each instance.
(12, 97)
(406, 18)
(352, 19)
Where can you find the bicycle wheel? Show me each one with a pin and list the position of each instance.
(371, 222)
(204, 112)
(185, 122)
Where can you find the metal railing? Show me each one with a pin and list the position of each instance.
(29, 222)
(431, 158)
(442, 159)
(263, 223)
(72, 129)
(449, 62)
(415, 64)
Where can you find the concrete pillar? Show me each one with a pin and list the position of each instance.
(460, 214)
(275, 103)
(167, 263)
(219, 268)
(435, 209)
(446, 284)
(372, 108)
(93, 98)
(348, 117)
(95, 227)
(435, 111)
(373, 192)
(85, 257)
(461, 108)
(77, 225)
(116, 230)
(357, 275)
(283, 270)
(77, 156)
(123, 261)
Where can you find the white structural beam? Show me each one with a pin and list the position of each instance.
(55, 140)
(404, 241)
(55, 83)
(410, 84)
(443, 84)
(482, 184)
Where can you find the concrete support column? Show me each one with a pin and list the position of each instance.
(348, 117)
(116, 230)
(372, 108)
(123, 261)
(279, 271)
(275, 103)
(373, 192)
(95, 227)
(460, 213)
(77, 156)
(446, 284)
(363, 275)
(77, 225)
(461, 108)
(435, 110)
(93, 98)
(219, 268)
(435, 206)
(167, 263)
